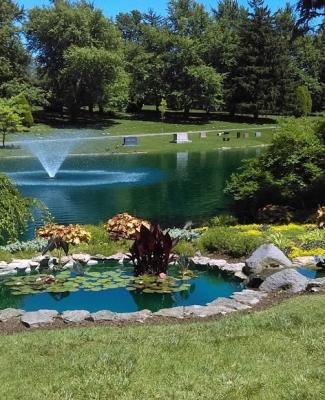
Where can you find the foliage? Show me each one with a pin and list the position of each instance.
(72, 234)
(15, 210)
(34, 246)
(297, 252)
(22, 107)
(71, 35)
(224, 240)
(10, 120)
(290, 172)
(223, 220)
(274, 214)
(185, 248)
(304, 101)
(150, 253)
(35, 95)
(124, 226)
(183, 234)
(280, 241)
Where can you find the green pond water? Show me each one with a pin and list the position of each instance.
(169, 188)
(112, 286)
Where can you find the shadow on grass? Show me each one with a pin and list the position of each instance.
(107, 120)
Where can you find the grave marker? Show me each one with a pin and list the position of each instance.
(130, 141)
(181, 137)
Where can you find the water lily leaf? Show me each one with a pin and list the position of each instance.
(148, 291)
(130, 288)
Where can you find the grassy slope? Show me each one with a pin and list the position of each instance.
(123, 125)
(273, 354)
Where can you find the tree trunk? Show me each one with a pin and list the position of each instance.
(3, 139)
(186, 111)
(101, 109)
(91, 108)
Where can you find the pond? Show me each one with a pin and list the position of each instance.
(171, 188)
(112, 286)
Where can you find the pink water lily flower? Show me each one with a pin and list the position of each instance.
(162, 275)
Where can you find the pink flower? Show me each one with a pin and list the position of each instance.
(162, 275)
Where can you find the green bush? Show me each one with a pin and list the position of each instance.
(229, 242)
(185, 248)
(223, 220)
(304, 101)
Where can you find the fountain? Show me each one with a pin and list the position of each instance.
(51, 152)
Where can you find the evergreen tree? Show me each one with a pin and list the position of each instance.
(252, 82)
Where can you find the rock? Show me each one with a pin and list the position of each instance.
(303, 261)
(98, 257)
(120, 257)
(65, 260)
(320, 261)
(206, 311)
(213, 262)
(288, 279)
(248, 297)
(241, 275)
(174, 312)
(44, 263)
(230, 303)
(38, 318)
(233, 268)
(255, 281)
(3, 265)
(19, 265)
(38, 259)
(8, 272)
(103, 315)
(33, 265)
(139, 316)
(266, 256)
(315, 283)
(82, 258)
(75, 316)
(10, 313)
(92, 262)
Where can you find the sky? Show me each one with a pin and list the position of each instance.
(112, 7)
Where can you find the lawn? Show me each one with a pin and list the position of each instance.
(110, 130)
(269, 355)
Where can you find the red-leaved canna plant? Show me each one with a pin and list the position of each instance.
(151, 251)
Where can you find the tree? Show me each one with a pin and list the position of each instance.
(308, 10)
(86, 74)
(10, 120)
(290, 172)
(13, 57)
(304, 102)
(15, 210)
(64, 33)
(253, 79)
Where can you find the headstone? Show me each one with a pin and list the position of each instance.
(181, 137)
(238, 135)
(226, 137)
(203, 135)
(258, 134)
(130, 141)
(246, 135)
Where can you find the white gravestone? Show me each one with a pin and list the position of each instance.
(181, 137)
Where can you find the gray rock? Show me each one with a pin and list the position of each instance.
(75, 316)
(103, 315)
(121, 257)
(139, 316)
(98, 257)
(206, 311)
(82, 258)
(288, 279)
(233, 268)
(38, 318)
(303, 261)
(230, 303)
(213, 262)
(3, 265)
(174, 312)
(10, 313)
(266, 256)
(245, 299)
(316, 283)
(92, 262)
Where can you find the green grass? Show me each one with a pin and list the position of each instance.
(270, 355)
(110, 130)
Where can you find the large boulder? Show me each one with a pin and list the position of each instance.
(266, 256)
(287, 279)
(10, 313)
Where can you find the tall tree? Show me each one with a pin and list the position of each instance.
(13, 57)
(252, 80)
(55, 33)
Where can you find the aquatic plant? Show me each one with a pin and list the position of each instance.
(150, 252)
(125, 226)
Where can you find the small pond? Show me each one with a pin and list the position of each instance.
(112, 286)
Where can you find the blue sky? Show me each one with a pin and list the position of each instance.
(113, 7)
